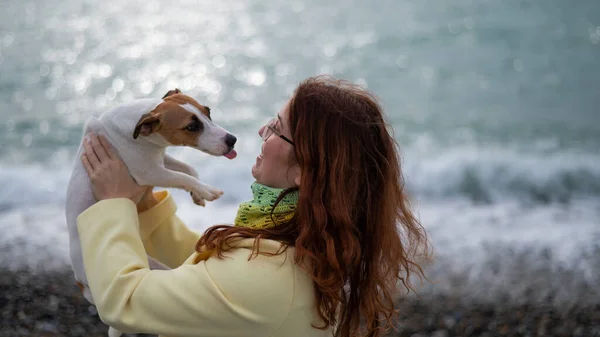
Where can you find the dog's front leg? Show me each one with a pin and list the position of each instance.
(174, 164)
(167, 178)
(177, 165)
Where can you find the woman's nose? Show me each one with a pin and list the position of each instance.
(260, 131)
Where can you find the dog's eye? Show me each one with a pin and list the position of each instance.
(194, 126)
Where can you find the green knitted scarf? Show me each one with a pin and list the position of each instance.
(256, 213)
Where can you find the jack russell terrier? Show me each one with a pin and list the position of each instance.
(140, 131)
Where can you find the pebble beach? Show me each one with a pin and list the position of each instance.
(49, 304)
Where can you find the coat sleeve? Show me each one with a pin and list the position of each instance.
(165, 237)
(227, 297)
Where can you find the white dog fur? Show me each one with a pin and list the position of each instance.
(146, 159)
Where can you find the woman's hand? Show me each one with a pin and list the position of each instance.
(108, 174)
(147, 201)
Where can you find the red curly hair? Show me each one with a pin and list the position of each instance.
(353, 230)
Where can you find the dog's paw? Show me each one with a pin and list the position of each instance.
(207, 193)
(210, 193)
(198, 199)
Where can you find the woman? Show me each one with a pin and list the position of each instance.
(324, 261)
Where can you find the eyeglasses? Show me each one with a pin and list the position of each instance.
(269, 129)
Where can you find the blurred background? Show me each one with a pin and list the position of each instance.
(495, 105)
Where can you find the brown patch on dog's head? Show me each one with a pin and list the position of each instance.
(182, 99)
(172, 121)
(171, 92)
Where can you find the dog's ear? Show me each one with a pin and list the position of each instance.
(146, 125)
(171, 92)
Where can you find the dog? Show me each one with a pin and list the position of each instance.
(140, 131)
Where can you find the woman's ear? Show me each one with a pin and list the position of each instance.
(297, 179)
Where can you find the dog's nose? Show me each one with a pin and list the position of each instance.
(230, 140)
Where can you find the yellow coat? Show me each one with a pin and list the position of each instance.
(201, 296)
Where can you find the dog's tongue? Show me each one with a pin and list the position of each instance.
(231, 154)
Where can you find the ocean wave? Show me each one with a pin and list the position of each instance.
(488, 176)
(481, 176)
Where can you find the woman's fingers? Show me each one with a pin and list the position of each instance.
(90, 153)
(98, 148)
(112, 153)
(88, 167)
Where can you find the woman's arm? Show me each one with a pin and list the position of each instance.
(165, 237)
(217, 297)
